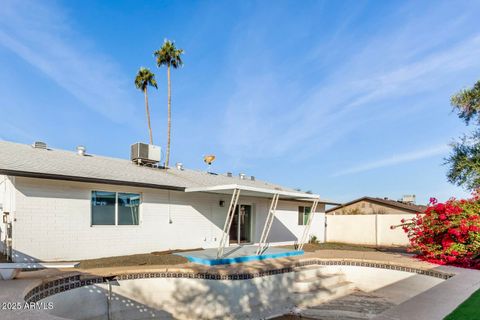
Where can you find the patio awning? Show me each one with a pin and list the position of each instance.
(271, 193)
(259, 192)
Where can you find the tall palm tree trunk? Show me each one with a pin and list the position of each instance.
(169, 123)
(148, 115)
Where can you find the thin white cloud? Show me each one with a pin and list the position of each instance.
(395, 160)
(273, 113)
(256, 128)
(44, 37)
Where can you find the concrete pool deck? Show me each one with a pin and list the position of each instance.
(434, 303)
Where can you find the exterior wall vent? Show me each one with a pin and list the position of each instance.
(81, 150)
(39, 145)
(142, 153)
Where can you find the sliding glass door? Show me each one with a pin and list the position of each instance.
(240, 231)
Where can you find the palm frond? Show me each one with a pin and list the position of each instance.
(168, 55)
(145, 78)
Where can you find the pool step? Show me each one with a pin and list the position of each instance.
(318, 282)
(313, 285)
(308, 272)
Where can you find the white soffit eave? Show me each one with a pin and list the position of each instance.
(263, 191)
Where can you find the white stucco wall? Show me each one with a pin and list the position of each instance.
(367, 229)
(52, 221)
(7, 203)
(396, 236)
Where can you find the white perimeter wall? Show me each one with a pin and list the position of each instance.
(52, 221)
(367, 229)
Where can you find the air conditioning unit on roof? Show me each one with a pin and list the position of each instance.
(143, 153)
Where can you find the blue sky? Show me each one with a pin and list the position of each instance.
(344, 98)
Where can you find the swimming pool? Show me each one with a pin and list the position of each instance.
(260, 294)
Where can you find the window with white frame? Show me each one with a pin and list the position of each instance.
(115, 208)
(303, 214)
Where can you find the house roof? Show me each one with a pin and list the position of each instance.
(387, 202)
(24, 160)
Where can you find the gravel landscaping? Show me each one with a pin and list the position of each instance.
(146, 259)
(311, 247)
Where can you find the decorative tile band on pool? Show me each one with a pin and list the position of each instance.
(241, 259)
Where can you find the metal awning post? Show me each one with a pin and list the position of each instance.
(228, 222)
(304, 237)
(268, 224)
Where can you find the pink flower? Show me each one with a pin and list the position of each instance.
(450, 258)
(455, 232)
(447, 242)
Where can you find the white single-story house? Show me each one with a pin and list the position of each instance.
(59, 205)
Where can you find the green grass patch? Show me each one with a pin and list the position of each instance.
(468, 310)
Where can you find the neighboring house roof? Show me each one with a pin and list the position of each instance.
(386, 202)
(24, 160)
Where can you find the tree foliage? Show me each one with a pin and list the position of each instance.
(464, 161)
(467, 104)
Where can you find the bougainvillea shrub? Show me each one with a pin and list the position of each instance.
(447, 233)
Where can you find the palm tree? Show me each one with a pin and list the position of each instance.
(168, 55)
(144, 79)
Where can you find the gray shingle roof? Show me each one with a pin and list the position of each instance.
(24, 160)
(414, 208)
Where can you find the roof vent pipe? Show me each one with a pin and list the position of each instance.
(179, 166)
(81, 150)
(39, 145)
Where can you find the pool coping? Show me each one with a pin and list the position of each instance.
(438, 301)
